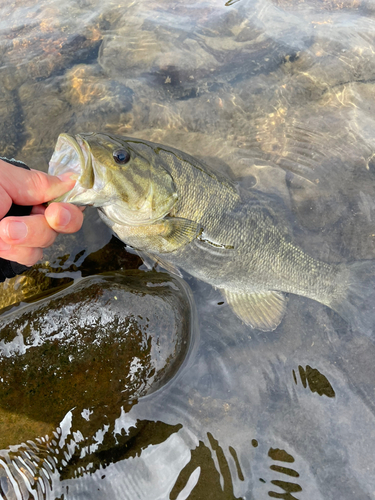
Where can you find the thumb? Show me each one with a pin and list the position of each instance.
(29, 187)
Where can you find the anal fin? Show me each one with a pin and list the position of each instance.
(262, 310)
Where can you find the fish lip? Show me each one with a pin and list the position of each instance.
(83, 150)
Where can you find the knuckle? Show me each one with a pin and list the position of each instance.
(38, 182)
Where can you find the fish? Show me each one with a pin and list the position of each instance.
(181, 214)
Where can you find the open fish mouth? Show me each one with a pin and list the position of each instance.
(71, 155)
(67, 157)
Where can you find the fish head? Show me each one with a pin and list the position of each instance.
(116, 174)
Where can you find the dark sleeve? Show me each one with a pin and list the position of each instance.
(9, 269)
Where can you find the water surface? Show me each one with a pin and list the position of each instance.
(280, 95)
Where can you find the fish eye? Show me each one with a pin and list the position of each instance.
(121, 156)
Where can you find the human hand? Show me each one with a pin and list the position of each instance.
(22, 239)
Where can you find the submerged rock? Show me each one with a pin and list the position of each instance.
(105, 340)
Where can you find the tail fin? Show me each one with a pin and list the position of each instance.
(356, 304)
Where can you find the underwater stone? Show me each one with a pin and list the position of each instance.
(105, 340)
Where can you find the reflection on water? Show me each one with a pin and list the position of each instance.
(317, 381)
(73, 452)
(201, 471)
(283, 93)
(289, 488)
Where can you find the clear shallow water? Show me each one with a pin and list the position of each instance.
(283, 93)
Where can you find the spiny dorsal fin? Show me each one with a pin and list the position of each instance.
(263, 310)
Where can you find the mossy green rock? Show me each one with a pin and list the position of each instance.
(105, 340)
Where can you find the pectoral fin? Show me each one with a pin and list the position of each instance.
(178, 232)
(263, 311)
(166, 235)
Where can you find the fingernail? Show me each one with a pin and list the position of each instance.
(65, 217)
(4, 246)
(16, 230)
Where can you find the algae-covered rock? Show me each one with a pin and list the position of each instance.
(103, 341)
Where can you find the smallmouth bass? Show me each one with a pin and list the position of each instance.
(177, 211)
